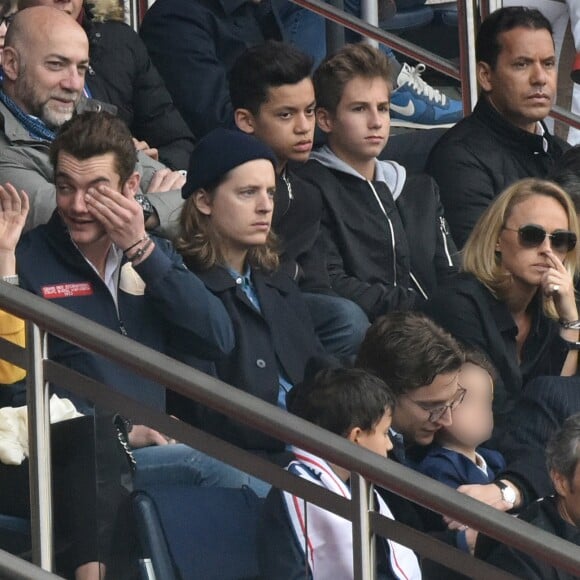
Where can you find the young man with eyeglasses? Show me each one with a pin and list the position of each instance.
(420, 362)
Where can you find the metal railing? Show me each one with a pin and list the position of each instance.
(44, 316)
(337, 19)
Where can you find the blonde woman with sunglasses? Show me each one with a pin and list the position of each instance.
(515, 298)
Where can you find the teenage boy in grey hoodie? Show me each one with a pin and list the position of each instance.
(386, 239)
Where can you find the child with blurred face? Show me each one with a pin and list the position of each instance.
(456, 457)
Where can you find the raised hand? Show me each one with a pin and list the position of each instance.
(14, 208)
(557, 283)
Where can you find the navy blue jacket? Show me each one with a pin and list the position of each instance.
(279, 338)
(194, 43)
(172, 311)
(454, 469)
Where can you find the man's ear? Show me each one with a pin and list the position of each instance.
(354, 434)
(244, 120)
(202, 201)
(324, 119)
(10, 63)
(561, 484)
(484, 74)
(131, 186)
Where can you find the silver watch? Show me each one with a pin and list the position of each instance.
(507, 492)
(13, 279)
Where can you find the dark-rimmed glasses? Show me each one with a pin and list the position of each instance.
(436, 413)
(532, 236)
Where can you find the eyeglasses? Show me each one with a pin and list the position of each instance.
(7, 19)
(436, 413)
(532, 236)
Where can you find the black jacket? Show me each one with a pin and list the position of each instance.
(194, 44)
(122, 74)
(481, 156)
(542, 514)
(296, 221)
(382, 261)
(280, 337)
(468, 310)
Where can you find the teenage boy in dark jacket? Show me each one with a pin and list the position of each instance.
(386, 239)
(273, 99)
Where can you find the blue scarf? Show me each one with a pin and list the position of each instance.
(37, 129)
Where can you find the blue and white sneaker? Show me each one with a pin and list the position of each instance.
(416, 104)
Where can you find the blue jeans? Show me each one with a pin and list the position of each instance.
(307, 30)
(179, 463)
(340, 324)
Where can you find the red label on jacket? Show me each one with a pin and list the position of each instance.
(67, 290)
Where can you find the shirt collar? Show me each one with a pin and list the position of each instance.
(112, 265)
(541, 131)
(246, 276)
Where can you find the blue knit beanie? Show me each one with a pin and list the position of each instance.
(220, 151)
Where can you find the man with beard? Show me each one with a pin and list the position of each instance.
(45, 60)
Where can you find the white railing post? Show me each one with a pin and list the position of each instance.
(363, 544)
(471, 24)
(370, 14)
(39, 449)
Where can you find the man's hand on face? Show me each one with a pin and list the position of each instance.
(120, 215)
(166, 180)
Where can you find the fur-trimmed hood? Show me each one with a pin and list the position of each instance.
(102, 10)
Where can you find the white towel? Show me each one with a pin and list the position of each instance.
(14, 428)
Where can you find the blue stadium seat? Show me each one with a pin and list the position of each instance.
(193, 532)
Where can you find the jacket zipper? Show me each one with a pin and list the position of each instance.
(445, 232)
(423, 293)
(288, 184)
(391, 229)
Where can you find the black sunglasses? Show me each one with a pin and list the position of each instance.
(7, 19)
(532, 236)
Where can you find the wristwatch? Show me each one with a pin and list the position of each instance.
(146, 205)
(507, 492)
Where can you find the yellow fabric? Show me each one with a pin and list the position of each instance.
(12, 329)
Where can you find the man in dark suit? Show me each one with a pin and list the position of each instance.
(194, 43)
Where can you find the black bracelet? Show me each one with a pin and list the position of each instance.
(139, 253)
(570, 325)
(571, 344)
(135, 244)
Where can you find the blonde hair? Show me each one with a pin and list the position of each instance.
(201, 245)
(480, 257)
